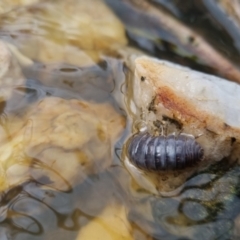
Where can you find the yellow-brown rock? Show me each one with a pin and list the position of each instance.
(112, 224)
(8, 5)
(10, 73)
(64, 31)
(58, 141)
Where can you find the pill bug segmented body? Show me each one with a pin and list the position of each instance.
(163, 152)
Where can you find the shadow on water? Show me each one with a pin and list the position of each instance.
(44, 204)
(204, 209)
(33, 209)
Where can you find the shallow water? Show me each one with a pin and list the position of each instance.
(71, 201)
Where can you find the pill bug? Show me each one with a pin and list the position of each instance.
(157, 153)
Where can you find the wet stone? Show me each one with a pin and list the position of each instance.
(86, 131)
(87, 33)
(203, 105)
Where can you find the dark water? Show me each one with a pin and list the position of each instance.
(207, 205)
(205, 17)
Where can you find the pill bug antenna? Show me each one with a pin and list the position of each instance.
(164, 128)
(199, 135)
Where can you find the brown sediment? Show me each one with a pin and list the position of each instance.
(187, 113)
(178, 106)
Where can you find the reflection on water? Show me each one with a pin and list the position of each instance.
(50, 194)
(204, 209)
(62, 133)
(90, 83)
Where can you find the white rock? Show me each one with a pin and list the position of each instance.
(187, 101)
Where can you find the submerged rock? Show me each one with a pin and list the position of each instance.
(10, 73)
(8, 5)
(72, 32)
(58, 141)
(111, 224)
(169, 98)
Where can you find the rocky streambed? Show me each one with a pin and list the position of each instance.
(78, 79)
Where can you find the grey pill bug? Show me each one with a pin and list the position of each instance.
(156, 153)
